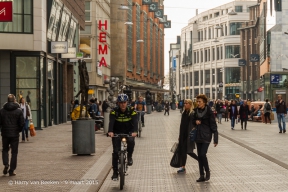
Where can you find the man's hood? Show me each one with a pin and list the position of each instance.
(10, 106)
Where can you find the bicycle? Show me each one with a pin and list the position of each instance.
(139, 113)
(122, 164)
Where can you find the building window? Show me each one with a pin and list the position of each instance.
(222, 30)
(207, 77)
(195, 55)
(199, 34)
(226, 33)
(22, 18)
(278, 5)
(206, 55)
(196, 78)
(221, 52)
(85, 47)
(191, 78)
(232, 51)
(130, 40)
(238, 9)
(87, 30)
(232, 75)
(87, 11)
(216, 14)
(218, 53)
(209, 33)
(201, 56)
(234, 28)
(213, 54)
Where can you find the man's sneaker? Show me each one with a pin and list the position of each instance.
(5, 171)
(143, 125)
(130, 161)
(181, 170)
(284, 131)
(115, 176)
(280, 131)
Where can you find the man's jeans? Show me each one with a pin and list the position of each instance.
(10, 142)
(232, 122)
(281, 118)
(219, 117)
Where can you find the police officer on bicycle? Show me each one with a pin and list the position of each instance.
(123, 119)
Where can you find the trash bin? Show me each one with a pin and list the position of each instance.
(149, 109)
(83, 137)
(173, 106)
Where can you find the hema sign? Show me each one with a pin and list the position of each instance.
(6, 11)
(59, 47)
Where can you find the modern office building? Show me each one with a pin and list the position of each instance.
(95, 44)
(273, 51)
(137, 44)
(174, 49)
(210, 50)
(28, 68)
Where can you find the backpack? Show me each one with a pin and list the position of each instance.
(268, 107)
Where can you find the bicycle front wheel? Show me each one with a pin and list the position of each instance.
(139, 128)
(122, 171)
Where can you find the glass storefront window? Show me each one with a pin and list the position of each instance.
(232, 75)
(27, 82)
(232, 51)
(234, 28)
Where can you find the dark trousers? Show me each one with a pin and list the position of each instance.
(202, 149)
(245, 123)
(25, 130)
(184, 158)
(166, 111)
(116, 142)
(8, 142)
(226, 116)
(267, 116)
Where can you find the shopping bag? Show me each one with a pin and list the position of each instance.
(174, 147)
(175, 161)
(32, 130)
(272, 116)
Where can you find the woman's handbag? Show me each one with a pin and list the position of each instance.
(32, 130)
(193, 134)
(222, 110)
(175, 161)
(174, 147)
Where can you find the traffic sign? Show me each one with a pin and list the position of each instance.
(6, 11)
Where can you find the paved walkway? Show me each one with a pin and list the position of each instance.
(46, 163)
(233, 167)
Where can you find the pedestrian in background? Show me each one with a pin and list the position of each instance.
(219, 106)
(185, 146)
(226, 107)
(27, 118)
(11, 124)
(206, 126)
(244, 113)
(166, 106)
(267, 111)
(281, 111)
(100, 113)
(233, 113)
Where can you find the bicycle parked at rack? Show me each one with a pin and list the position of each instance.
(122, 163)
(139, 113)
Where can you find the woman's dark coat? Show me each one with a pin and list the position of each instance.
(244, 112)
(185, 145)
(207, 127)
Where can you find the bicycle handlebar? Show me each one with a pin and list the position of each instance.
(120, 135)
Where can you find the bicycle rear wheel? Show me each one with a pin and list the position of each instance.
(139, 128)
(122, 171)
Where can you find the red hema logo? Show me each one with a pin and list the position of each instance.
(6, 11)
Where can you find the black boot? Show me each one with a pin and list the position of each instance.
(207, 176)
(115, 175)
(201, 179)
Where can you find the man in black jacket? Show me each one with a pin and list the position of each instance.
(11, 123)
(281, 111)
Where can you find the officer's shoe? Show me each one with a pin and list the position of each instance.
(130, 161)
(115, 176)
(143, 125)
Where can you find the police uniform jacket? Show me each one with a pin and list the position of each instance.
(123, 122)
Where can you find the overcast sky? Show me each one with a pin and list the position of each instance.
(179, 12)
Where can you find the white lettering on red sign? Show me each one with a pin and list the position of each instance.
(2, 11)
(102, 39)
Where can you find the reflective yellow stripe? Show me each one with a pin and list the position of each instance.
(124, 119)
(134, 113)
(113, 112)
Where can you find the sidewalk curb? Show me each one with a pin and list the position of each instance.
(97, 172)
(272, 159)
